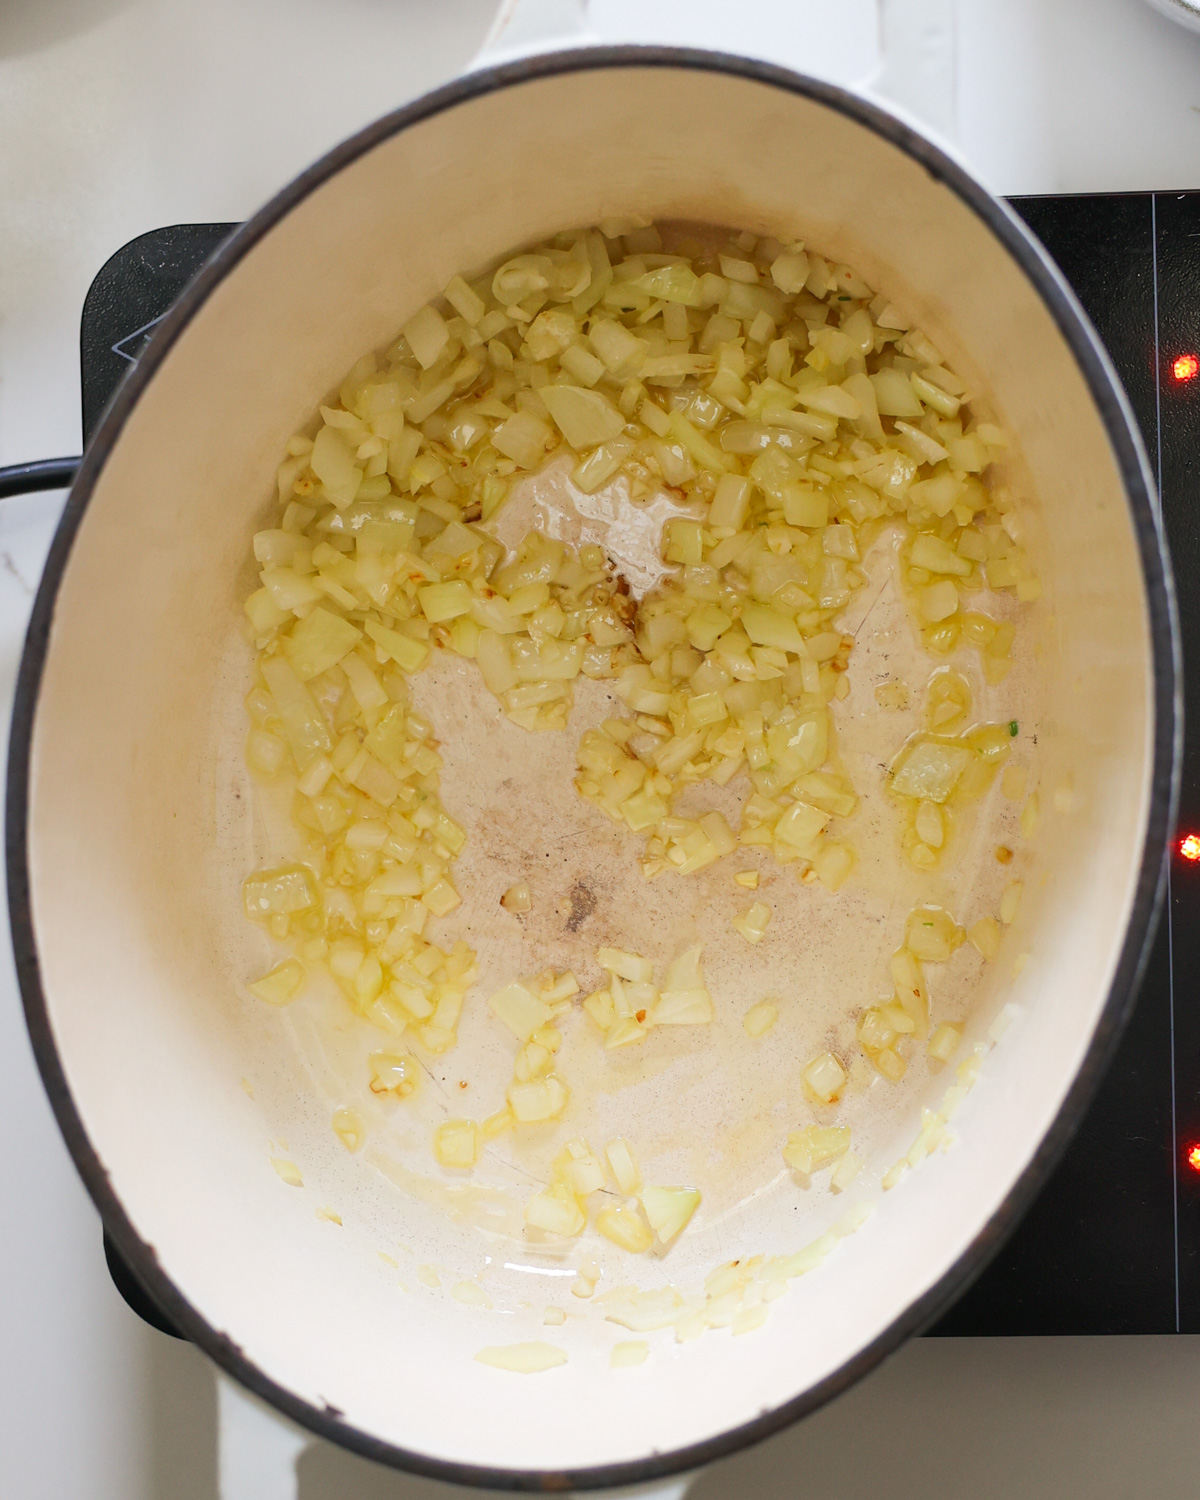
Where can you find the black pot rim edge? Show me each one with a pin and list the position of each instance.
(1060, 301)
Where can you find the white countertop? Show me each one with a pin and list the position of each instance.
(117, 116)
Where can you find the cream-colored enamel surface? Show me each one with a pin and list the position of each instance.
(143, 824)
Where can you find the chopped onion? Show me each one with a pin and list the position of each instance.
(629, 966)
(625, 1227)
(752, 923)
(944, 1042)
(825, 1078)
(538, 1100)
(456, 1143)
(985, 936)
(287, 1171)
(586, 418)
(349, 1128)
(522, 1359)
(669, 1209)
(628, 1353)
(793, 414)
(557, 1212)
(623, 1166)
(281, 985)
(759, 1019)
(517, 898)
(845, 1172)
(815, 1146)
(931, 934)
(393, 1073)
(520, 1010)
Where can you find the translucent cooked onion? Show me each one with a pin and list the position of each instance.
(794, 415)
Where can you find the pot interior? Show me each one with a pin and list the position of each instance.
(143, 822)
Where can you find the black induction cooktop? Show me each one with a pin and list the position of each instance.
(1112, 1245)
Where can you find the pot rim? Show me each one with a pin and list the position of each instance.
(327, 1422)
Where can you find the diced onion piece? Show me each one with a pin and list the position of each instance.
(332, 461)
(441, 898)
(445, 601)
(619, 350)
(541, 1099)
(624, 1032)
(281, 985)
(470, 1294)
(517, 898)
(265, 753)
(524, 438)
(318, 642)
(669, 1209)
(1010, 901)
(349, 1128)
(586, 418)
(629, 1353)
(944, 1042)
(601, 464)
(936, 556)
(496, 1125)
(769, 627)
(928, 769)
(894, 395)
(790, 271)
(832, 863)
(805, 505)
(752, 923)
(800, 824)
(825, 1077)
(931, 934)
(522, 1359)
(393, 1073)
(759, 1019)
(684, 972)
(730, 503)
(683, 1008)
(582, 365)
(938, 601)
(520, 1010)
(623, 1165)
(287, 1171)
(625, 1227)
(642, 1312)
(456, 1143)
(845, 1172)
(631, 966)
(557, 1212)
(427, 335)
(407, 653)
(673, 283)
(832, 400)
(747, 1319)
(984, 935)
(813, 1147)
(909, 980)
(890, 1064)
(466, 302)
(284, 892)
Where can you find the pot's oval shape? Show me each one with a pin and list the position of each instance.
(126, 853)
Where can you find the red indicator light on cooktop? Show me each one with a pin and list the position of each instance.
(1189, 846)
(1186, 367)
(1193, 1158)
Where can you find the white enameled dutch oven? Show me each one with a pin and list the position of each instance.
(127, 842)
